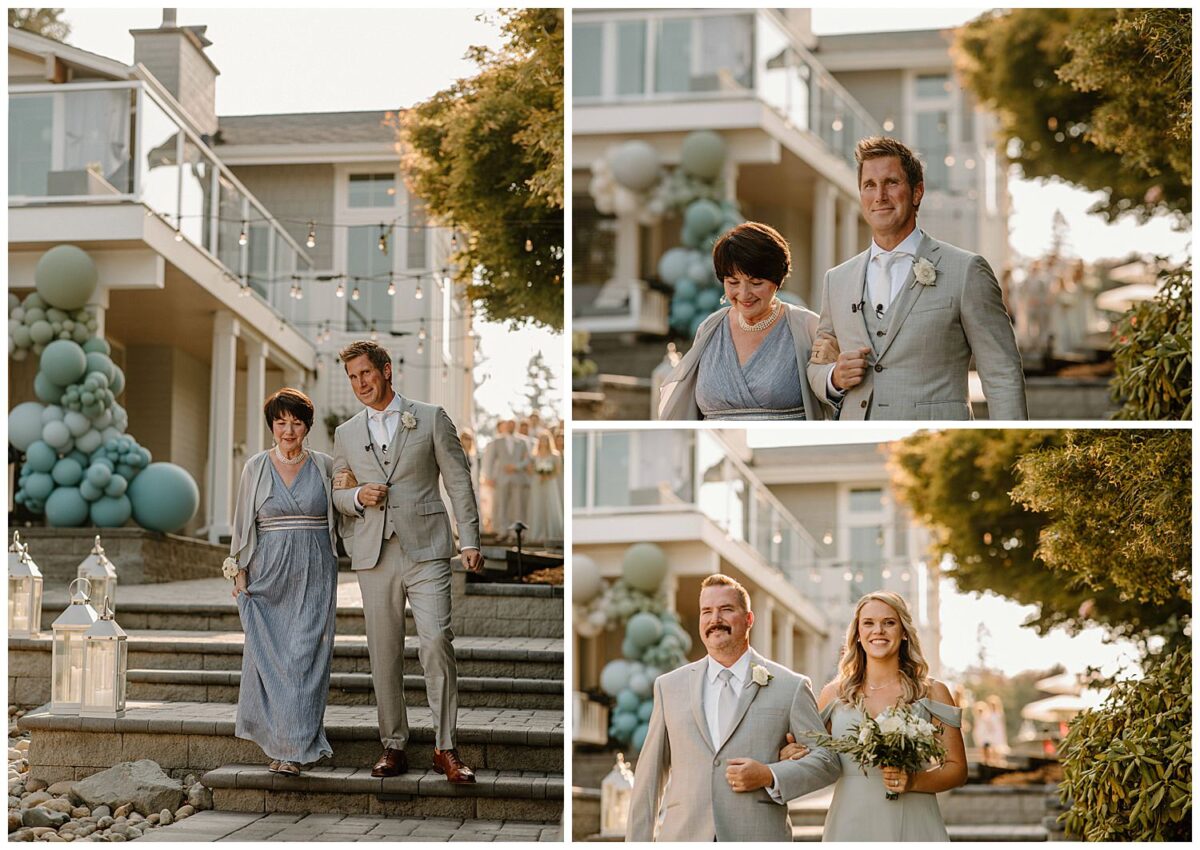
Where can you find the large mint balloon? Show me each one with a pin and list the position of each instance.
(703, 154)
(700, 269)
(117, 485)
(164, 497)
(586, 583)
(641, 684)
(638, 739)
(66, 508)
(90, 491)
(117, 386)
(644, 629)
(39, 486)
(89, 442)
(25, 424)
(40, 331)
(40, 457)
(67, 472)
(630, 649)
(707, 300)
(77, 423)
(645, 710)
(701, 217)
(56, 435)
(99, 475)
(623, 724)
(644, 567)
(614, 678)
(63, 362)
(99, 345)
(102, 363)
(108, 512)
(673, 265)
(627, 700)
(46, 389)
(66, 277)
(635, 165)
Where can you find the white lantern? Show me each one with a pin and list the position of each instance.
(66, 662)
(100, 573)
(616, 791)
(24, 591)
(105, 663)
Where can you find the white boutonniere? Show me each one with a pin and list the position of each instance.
(229, 568)
(408, 420)
(759, 675)
(924, 272)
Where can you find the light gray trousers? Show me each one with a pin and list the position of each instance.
(427, 586)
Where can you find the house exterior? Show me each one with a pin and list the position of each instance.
(196, 267)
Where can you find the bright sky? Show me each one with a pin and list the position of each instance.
(338, 60)
(1007, 645)
(1033, 202)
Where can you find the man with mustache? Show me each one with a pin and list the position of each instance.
(716, 732)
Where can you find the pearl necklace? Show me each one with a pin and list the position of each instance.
(291, 462)
(763, 324)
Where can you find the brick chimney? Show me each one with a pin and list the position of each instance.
(175, 56)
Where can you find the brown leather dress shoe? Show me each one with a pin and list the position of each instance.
(391, 763)
(448, 762)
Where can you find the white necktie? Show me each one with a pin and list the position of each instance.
(726, 705)
(883, 284)
(381, 429)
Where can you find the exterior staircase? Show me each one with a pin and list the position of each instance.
(185, 655)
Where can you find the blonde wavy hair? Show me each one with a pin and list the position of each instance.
(852, 669)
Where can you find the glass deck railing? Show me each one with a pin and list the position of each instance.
(705, 55)
(669, 471)
(121, 142)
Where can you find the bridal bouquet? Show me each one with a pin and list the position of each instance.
(543, 466)
(896, 738)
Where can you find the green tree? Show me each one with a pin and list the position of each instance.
(538, 387)
(1152, 353)
(44, 22)
(1127, 766)
(487, 156)
(958, 483)
(1098, 97)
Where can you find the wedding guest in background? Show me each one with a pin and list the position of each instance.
(545, 499)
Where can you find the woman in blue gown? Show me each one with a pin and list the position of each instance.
(284, 552)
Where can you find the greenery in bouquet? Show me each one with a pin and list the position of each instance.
(896, 738)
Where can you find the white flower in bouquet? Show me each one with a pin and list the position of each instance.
(896, 738)
(543, 466)
(891, 724)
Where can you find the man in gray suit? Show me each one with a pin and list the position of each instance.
(387, 461)
(901, 321)
(505, 462)
(717, 729)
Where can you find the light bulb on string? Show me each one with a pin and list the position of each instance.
(374, 332)
(311, 242)
(420, 347)
(421, 333)
(400, 369)
(528, 245)
(383, 246)
(417, 293)
(242, 237)
(341, 290)
(178, 235)
(391, 290)
(355, 294)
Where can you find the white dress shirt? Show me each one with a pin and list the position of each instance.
(883, 289)
(712, 692)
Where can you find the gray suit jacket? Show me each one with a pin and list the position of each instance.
(411, 470)
(677, 398)
(918, 369)
(700, 805)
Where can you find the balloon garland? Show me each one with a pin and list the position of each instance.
(80, 465)
(654, 639)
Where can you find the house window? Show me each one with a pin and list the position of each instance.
(631, 57)
(370, 266)
(595, 243)
(933, 102)
(587, 60)
(372, 190)
(864, 526)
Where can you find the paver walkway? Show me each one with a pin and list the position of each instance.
(238, 826)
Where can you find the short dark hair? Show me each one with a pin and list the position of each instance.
(753, 249)
(875, 147)
(375, 352)
(288, 400)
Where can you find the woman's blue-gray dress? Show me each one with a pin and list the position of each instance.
(767, 386)
(859, 811)
(288, 619)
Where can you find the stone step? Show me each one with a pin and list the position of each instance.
(189, 737)
(528, 795)
(347, 689)
(989, 832)
(495, 609)
(484, 657)
(285, 826)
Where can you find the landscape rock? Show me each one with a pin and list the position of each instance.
(200, 797)
(41, 817)
(165, 817)
(104, 822)
(14, 820)
(80, 812)
(60, 788)
(59, 804)
(35, 785)
(35, 799)
(141, 783)
(153, 818)
(103, 812)
(184, 811)
(122, 811)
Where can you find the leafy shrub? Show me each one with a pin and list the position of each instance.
(1153, 353)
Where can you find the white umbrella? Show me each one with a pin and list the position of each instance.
(1122, 298)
